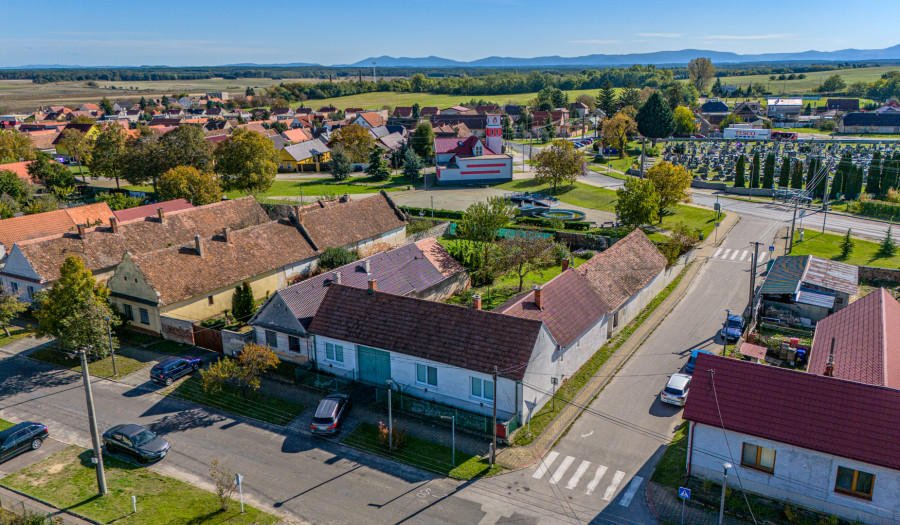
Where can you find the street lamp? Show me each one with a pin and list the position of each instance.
(452, 438)
(112, 351)
(725, 332)
(725, 467)
(390, 382)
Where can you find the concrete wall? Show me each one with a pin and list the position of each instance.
(801, 476)
(879, 274)
(721, 186)
(445, 288)
(233, 342)
(178, 330)
(282, 345)
(436, 231)
(381, 243)
(547, 361)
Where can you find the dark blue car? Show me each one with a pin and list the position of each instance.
(733, 328)
(166, 372)
(693, 360)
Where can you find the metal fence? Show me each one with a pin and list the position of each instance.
(324, 382)
(436, 412)
(13, 508)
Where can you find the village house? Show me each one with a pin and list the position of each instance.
(886, 122)
(309, 152)
(470, 161)
(843, 104)
(26, 227)
(784, 108)
(369, 119)
(804, 289)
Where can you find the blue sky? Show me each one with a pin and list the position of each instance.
(190, 32)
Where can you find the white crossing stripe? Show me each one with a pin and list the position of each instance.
(762, 257)
(611, 489)
(632, 489)
(601, 470)
(733, 255)
(744, 254)
(717, 252)
(725, 255)
(545, 465)
(577, 476)
(563, 467)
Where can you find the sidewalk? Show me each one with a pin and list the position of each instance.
(520, 457)
(666, 506)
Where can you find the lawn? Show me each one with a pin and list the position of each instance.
(4, 424)
(572, 386)
(670, 470)
(422, 453)
(255, 405)
(15, 333)
(100, 368)
(827, 246)
(67, 480)
(694, 218)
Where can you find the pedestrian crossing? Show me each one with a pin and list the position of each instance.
(745, 256)
(596, 475)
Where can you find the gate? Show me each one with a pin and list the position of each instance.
(208, 338)
(374, 365)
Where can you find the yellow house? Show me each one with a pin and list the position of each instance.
(309, 152)
(91, 130)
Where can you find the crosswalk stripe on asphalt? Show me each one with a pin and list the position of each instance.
(545, 465)
(561, 470)
(601, 470)
(632, 489)
(577, 476)
(611, 489)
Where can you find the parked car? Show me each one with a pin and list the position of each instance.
(733, 328)
(21, 438)
(136, 441)
(166, 372)
(330, 414)
(676, 390)
(693, 360)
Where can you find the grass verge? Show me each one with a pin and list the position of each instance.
(15, 333)
(67, 480)
(572, 386)
(579, 194)
(422, 453)
(670, 471)
(4, 424)
(259, 406)
(100, 368)
(828, 246)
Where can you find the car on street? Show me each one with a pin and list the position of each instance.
(689, 368)
(676, 390)
(166, 372)
(733, 327)
(21, 438)
(330, 414)
(136, 441)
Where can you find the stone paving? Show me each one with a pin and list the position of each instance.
(666, 506)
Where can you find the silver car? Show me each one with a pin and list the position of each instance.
(676, 390)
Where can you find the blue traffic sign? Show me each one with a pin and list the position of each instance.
(771, 248)
(684, 493)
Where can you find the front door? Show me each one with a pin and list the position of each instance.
(374, 365)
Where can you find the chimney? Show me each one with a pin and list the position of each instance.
(368, 266)
(476, 301)
(80, 230)
(162, 215)
(565, 264)
(225, 234)
(114, 224)
(336, 279)
(198, 244)
(373, 285)
(829, 367)
(538, 297)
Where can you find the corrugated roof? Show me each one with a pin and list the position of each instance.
(825, 414)
(785, 274)
(832, 275)
(815, 298)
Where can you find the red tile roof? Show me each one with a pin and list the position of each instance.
(150, 210)
(25, 227)
(372, 118)
(19, 168)
(624, 269)
(825, 414)
(460, 146)
(866, 341)
(296, 135)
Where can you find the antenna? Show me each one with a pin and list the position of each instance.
(374, 78)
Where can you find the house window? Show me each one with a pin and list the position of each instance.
(759, 458)
(426, 375)
(15, 287)
(271, 339)
(129, 312)
(293, 344)
(145, 316)
(854, 483)
(30, 292)
(334, 353)
(210, 299)
(483, 389)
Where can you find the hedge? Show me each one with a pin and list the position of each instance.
(547, 223)
(885, 210)
(438, 214)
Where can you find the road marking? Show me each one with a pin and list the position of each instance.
(717, 252)
(744, 254)
(611, 489)
(577, 476)
(733, 255)
(588, 434)
(762, 258)
(545, 465)
(601, 470)
(632, 489)
(561, 470)
(725, 255)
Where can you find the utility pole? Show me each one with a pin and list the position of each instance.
(725, 332)
(725, 467)
(390, 418)
(112, 351)
(790, 247)
(92, 421)
(753, 277)
(642, 157)
(494, 429)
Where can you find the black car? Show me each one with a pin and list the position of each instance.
(136, 441)
(21, 438)
(166, 372)
(330, 414)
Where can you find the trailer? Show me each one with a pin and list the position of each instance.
(746, 133)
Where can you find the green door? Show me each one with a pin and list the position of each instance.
(374, 365)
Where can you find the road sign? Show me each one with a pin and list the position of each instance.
(238, 479)
(771, 248)
(684, 493)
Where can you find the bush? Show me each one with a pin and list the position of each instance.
(335, 257)
(118, 201)
(652, 151)
(420, 225)
(893, 196)
(884, 210)
(555, 223)
(559, 252)
(600, 158)
(397, 436)
(438, 214)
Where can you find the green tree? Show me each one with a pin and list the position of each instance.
(378, 167)
(107, 158)
(523, 254)
(637, 202)
(888, 247)
(356, 141)
(10, 308)
(242, 304)
(797, 175)
(186, 145)
(144, 160)
(78, 146)
(340, 165)
(684, 121)
(739, 177)
(731, 118)
(679, 94)
(75, 310)
(482, 221)
(840, 176)
(14, 186)
(768, 181)
(671, 184)
(245, 372)
(335, 257)
(701, 71)
(422, 140)
(279, 126)
(412, 165)
(15, 147)
(832, 84)
(52, 174)
(606, 99)
(847, 245)
(246, 161)
(630, 96)
(41, 204)
(187, 182)
(754, 171)
(616, 131)
(873, 181)
(655, 119)
(558, 163)
(106, 106)
(416, 110)
(784, 178)
(118, 201)
(810, 172)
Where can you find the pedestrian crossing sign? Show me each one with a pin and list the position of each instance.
(684, 493)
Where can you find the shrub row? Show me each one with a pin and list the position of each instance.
(883, 210)
(438, 214)
(548, 223)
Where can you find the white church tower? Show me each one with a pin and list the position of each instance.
(493, 133)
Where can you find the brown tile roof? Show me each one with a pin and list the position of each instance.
(19, 168)
(438, 256)
(151, 210)
(372, 118)
(25, 227)
(259, 128)
(43, 139)
(570, 307)
(825, 414)
(100, 248)
(624, 269)
(180, 273)
(866, 341)
(455, 335)
(353, 221)
(297, 135)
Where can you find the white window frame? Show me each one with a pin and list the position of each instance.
(425, 383)
(483, 397)
(336, 349)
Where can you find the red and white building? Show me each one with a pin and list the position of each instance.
(471, 160)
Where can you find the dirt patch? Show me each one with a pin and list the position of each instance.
(56, 468)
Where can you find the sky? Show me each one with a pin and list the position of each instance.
(195, 32)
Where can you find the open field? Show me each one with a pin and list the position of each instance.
(812, 80)
(381, 98)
